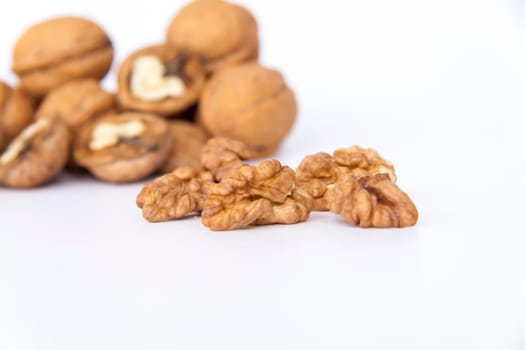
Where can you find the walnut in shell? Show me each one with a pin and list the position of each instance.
(372, 201)
(58, 50)
(249, 103)
(123, 147)
(161, 80)
(261, 195)
(175, 195)
(16, 112)
(76, 102)
(187, 140)
(222, 33)
(37, 155)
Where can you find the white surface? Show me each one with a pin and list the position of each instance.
(437, 87)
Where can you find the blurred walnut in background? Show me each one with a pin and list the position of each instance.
(222, 33)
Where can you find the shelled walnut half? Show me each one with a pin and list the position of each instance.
(123, 147)
(316, 172)
(223, 156)
(37, 155)
(372, 201)
(174, 195)
(261, 195)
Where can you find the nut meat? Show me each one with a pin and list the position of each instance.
(174, 196)
(372, 201)
(260, 195)
(160, 79)
(320, 170)
(223, 156)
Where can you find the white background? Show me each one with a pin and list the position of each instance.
(438, 87)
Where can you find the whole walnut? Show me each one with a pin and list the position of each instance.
(222, 33)
(58, 50)
(16, 112)
(249, 103)
(76, 102)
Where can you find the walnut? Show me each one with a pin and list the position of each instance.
(16, 112)
(372, 201)
(160, 79)
(37, 155)
(250, 103)
(320, 170)
(123, 147)
(174, 196)
(363, 162)
(187, 141)
(314, 174)
(261, 195)
(223, 156)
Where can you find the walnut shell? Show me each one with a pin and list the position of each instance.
(39, 156)
(129, 158)
(249, 103)
(187, 67)
(16, 112)
(187, 141)
(76, 102)
(222, 33)
(53, 52)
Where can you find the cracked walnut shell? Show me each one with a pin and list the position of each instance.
(261, 195)
(174, 196)
(160, 79)
(37, 155)
(123, 147)
(372, 201)
(16, 112)
(224, 34)
(249, 103)
(61, 49)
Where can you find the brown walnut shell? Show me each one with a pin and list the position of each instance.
(184, 65)
(130, 158)
(222, 33)
(40, 157)
(61, 49)
(249, 103)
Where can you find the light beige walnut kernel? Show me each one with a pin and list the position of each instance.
(174, 195)
(372, 201)
(261, 195)
(223, 156)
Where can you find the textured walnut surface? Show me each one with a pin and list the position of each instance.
(372, 201)
(174, 196)
(222, 156)
(319, 170)
(259, 195)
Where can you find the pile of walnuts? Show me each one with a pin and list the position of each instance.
(355, 182)
(202, 81)
(194, 108)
